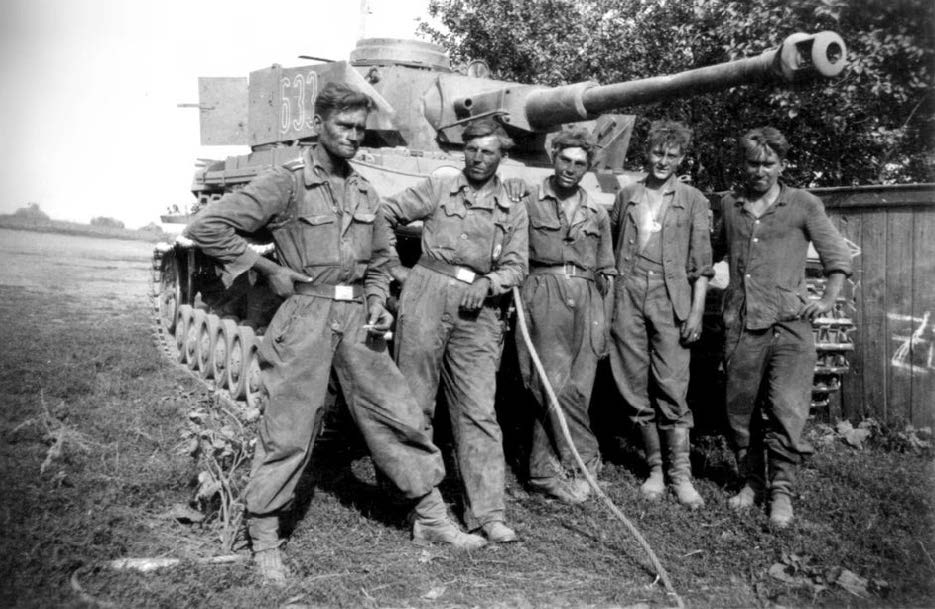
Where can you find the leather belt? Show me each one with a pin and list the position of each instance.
(461, 273)
(568, 269)
(334, 292)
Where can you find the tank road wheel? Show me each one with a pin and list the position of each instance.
(207, 334)
(239, 358)
(191, 339)
(182, 320)
(226, 330)
(254, 391)
(169, 292)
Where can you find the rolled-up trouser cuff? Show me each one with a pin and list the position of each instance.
(782, 473)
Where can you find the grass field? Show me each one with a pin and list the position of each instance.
(93, 461)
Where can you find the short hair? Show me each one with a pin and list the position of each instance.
(484, 127)
(574, 138)
(668, 133)
(339, 97)
(762, 139)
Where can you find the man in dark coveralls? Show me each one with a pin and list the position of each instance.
(334, 246)
(571, 262)
(769, 349)
(474, 248)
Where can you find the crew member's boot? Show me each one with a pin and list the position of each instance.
(752, 468)
(559, 487)
(264, 539)
(680, 467)
(431, 523)
(580, 481)
(781, 480)
(654, 486)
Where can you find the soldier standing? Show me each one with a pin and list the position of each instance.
(474, 248)
(663, 251)
(571, 264)
(334, 246)
(769, 349)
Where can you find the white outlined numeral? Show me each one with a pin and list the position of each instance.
(298, 92)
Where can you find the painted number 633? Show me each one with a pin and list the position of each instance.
(298, 102)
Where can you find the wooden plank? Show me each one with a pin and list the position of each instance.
(922, 407)
(874, 358)
(899, 290)
(849, 402)
(878, 196)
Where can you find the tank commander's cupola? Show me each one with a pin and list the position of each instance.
(400, 52)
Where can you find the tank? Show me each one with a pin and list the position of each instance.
(422, 108)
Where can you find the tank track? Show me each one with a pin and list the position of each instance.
(197, 348)
(235, 381)
(833, 342)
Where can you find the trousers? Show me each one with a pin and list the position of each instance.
(439, 343)
(649, 363)
(306, 338)
(566, 325)
(772, 370)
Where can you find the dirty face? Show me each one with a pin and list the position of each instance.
(662, 161)
(762, 168)
(570, 166)
(482, 157)
(342, 132)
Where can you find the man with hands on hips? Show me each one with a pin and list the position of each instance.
(334, 249)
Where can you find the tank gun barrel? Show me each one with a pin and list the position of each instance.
(800, 57)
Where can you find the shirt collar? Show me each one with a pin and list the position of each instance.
(315, 173)
(669, 187)
(547, 191)
(461, 184)
(740, 198)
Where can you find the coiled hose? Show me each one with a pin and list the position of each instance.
(563, 424)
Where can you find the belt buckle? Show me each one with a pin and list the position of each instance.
(465, 275)
(344, 292)
(570, 269)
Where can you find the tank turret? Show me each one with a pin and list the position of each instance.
(422, 108)
(424, 105)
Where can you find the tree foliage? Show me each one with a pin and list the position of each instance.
(32, 212)
(875, 124)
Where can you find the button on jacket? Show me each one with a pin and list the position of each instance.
(480, 230)
(768, 254)
(334, 238)
(686, 238)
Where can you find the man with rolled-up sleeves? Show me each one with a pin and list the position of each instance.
(769, 349)
(333, 246)
(474, 249)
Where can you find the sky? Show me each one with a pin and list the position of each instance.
(89, 117)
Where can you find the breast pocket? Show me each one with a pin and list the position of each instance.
(361, 230)
(319, 237)
(544, 238)
(591, 229)
(444, 229)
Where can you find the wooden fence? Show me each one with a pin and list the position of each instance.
(892, 375)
